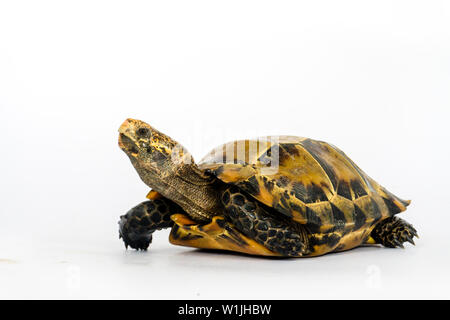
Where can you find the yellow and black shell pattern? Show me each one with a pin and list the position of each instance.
(309, 181)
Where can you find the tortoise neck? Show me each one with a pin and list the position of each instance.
(194, 191)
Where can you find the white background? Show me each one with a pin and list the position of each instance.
(372, 77)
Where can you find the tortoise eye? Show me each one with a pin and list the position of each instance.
(142, 132)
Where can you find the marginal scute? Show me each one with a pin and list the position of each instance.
(395, 204)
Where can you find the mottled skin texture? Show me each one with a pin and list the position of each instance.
(287, 196)
(167, 168)
(263, 225)
(139, 223)
(393, 232)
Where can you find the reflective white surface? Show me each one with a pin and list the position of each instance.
(371, 78)
(103, 269)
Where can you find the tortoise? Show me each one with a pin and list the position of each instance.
(281, 196)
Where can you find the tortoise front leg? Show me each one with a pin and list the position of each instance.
(138, 224)
(393, 232)
(258, 223)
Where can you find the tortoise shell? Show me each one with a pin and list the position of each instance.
(311, 182)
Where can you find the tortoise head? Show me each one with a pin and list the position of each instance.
(154, 155)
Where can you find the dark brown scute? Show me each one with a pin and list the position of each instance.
(308, 194)
(300, 191)
(268, 184)
(358, 189)
(251, 186)
(344, 190)
(287, 150)
(175, 233)
(338, 217)
(393, 208)
(235, 236)
(313, 221)
(314, 148)
(359, 217)
(330, 240)
(316, 193)
(376, 210)
(282, 181)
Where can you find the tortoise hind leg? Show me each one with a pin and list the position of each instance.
(138, 224)
(393, 232)
(256, 222)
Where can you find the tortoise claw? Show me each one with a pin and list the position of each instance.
(410, 240)
(399, 244)
(394, 232)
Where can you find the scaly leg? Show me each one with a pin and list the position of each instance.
(256, 222)
(393, 232)
(138, 224)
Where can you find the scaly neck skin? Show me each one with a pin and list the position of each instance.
(187, 186)
(195, 192)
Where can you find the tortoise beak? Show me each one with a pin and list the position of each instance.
(127, 126)
(126, 141)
